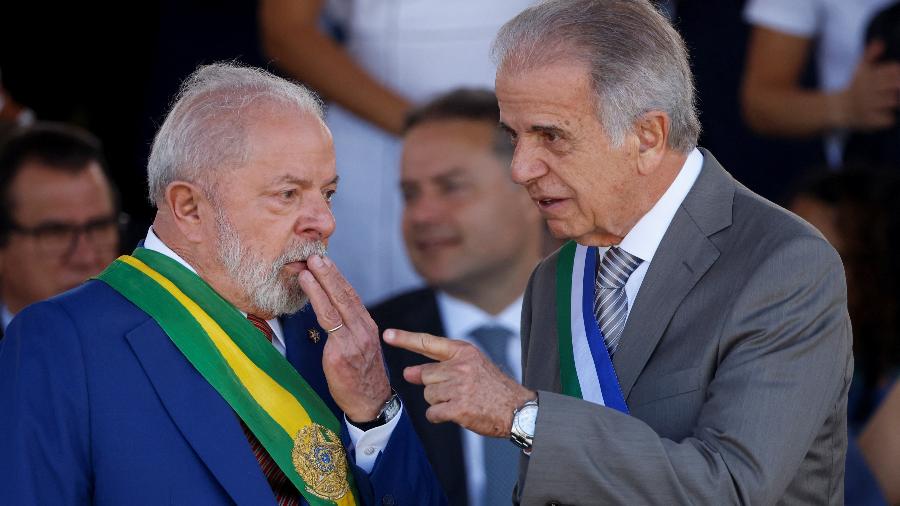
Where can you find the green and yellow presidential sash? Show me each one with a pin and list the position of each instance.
(288, 417)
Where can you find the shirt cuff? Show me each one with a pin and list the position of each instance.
(367, 445)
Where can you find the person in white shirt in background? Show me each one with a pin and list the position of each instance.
(856, 91)
(394, 55)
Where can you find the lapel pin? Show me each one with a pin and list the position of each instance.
(314, 335)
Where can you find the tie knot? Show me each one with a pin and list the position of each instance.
(615, 268)
(263, 326)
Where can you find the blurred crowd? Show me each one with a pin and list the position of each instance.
(799, 99)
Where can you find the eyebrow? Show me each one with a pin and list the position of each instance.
(546, 129)
(302, 182)
(448, 174)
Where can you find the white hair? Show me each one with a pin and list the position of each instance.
(636, 60)
(205, 130)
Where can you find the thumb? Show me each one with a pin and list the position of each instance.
(413, 374)
(873, 51)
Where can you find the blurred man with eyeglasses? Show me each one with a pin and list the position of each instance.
(59, 223)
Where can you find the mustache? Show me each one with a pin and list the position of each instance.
(300, 252)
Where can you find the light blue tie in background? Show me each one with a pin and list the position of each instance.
(501, 457)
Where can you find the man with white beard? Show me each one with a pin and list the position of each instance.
(186, 372)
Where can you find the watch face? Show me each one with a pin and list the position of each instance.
(526, 419)
(392, 408)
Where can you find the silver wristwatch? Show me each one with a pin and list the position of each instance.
(522, 431)
(390, 409)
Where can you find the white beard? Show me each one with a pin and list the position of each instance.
(262, 283)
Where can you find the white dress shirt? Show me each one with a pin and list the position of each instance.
(367, 445)
(460, 319)
(643, 239)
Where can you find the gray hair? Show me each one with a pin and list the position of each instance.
(637, 61)
(206, 128)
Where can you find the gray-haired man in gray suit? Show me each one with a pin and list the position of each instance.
(692, 345)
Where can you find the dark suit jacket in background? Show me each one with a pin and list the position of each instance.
(98, 406)
(735, 364)
(417, 311)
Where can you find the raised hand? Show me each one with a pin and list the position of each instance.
(464, 386)
(872, 99)
(352, 359)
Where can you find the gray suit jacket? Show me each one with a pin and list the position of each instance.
(735, 364)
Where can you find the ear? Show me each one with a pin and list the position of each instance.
(188, 206)
(652, 131)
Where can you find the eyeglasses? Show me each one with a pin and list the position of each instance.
(59, 239)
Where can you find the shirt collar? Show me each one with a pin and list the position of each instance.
(643, 239)
(154, 243)
(5, 316)
(461, 318)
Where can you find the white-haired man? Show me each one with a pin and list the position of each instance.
(173, 378)
(692, 344)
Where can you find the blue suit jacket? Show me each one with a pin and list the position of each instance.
(97, 406)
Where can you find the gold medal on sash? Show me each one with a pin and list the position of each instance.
(319, 459)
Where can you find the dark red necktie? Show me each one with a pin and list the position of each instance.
(285, 492)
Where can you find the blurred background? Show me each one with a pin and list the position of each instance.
(798, 100)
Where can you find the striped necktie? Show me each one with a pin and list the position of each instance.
(610, 300)
(286, 493)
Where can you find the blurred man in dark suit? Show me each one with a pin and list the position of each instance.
(474, 236)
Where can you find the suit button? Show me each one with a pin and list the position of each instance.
(387, 500)
(554, 503)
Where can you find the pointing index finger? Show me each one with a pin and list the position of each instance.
(433, 347)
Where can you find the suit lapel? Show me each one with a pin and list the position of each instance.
(429, 318)
(205, 420)
(683, 257)
(304, 352)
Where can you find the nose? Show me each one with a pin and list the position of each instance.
(423, 210)
(526, 164)
(316, 220)
(83, 254)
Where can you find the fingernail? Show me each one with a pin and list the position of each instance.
(315, 261)
(388, 335)
(305, 275)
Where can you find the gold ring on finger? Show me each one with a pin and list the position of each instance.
(335, 329)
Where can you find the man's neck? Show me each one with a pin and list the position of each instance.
(494, 292)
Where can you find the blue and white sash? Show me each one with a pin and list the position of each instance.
(586, 369)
